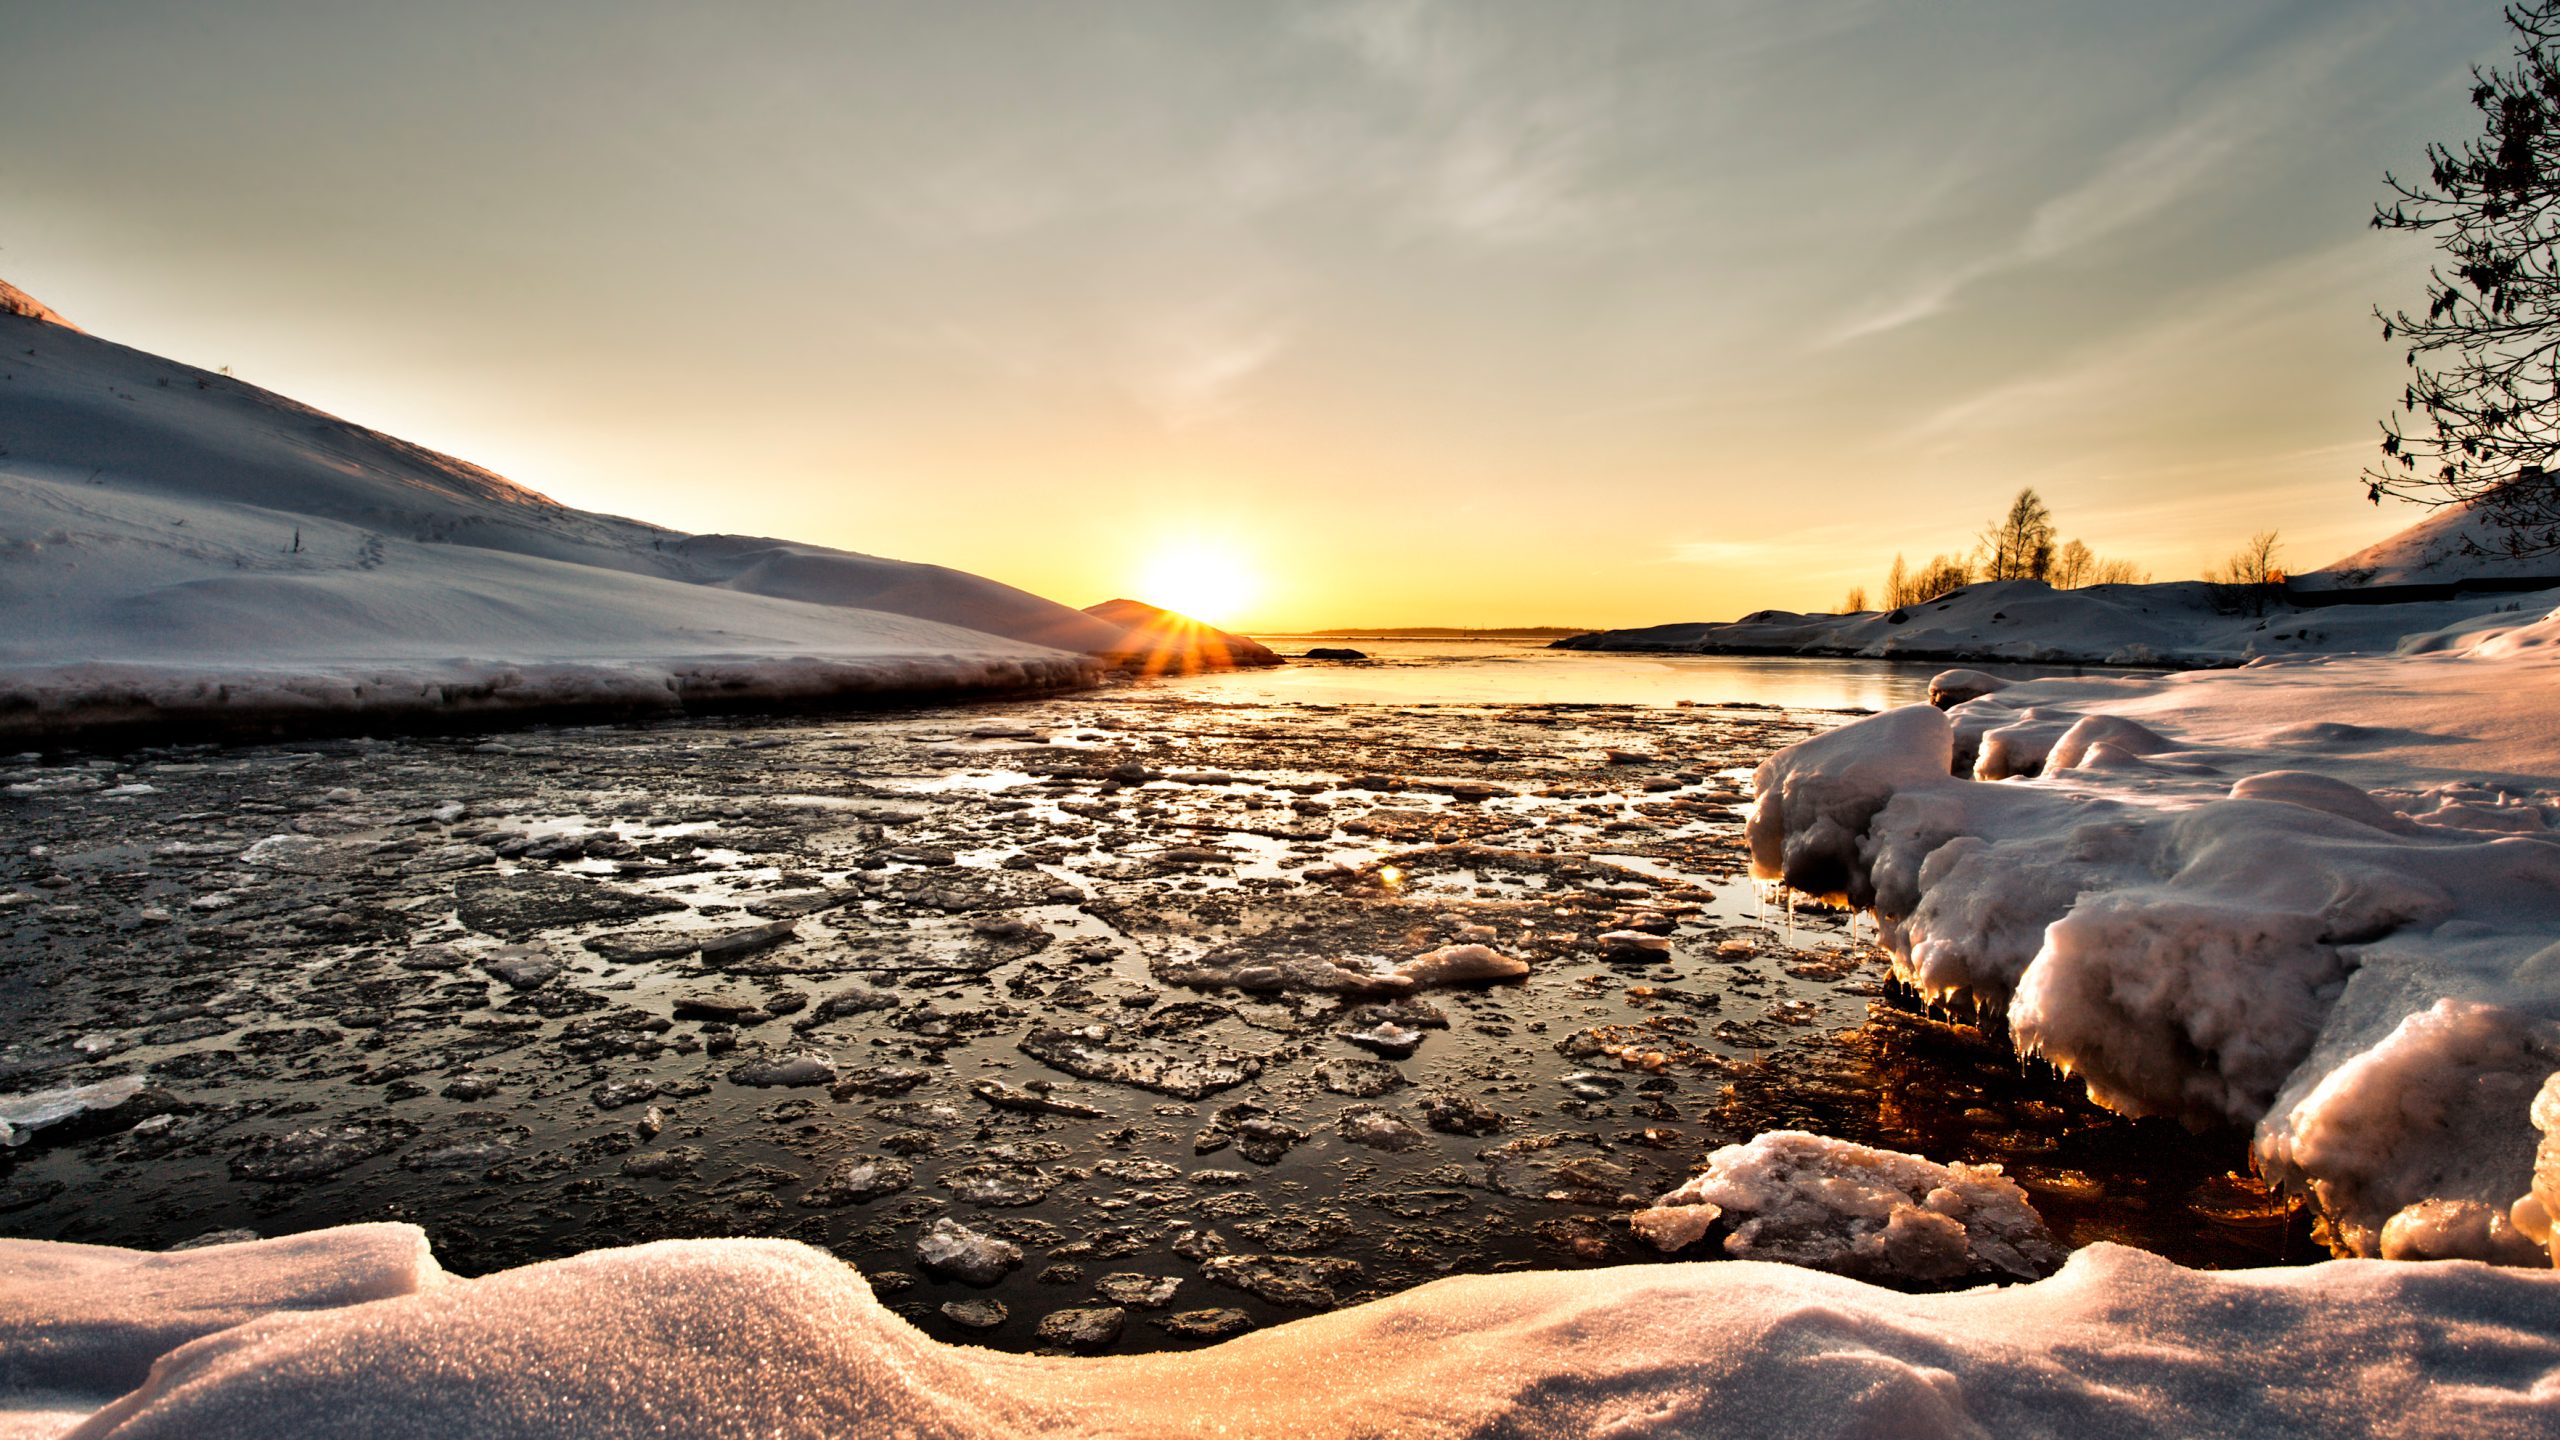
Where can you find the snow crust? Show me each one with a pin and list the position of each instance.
(2027, 621)
(178, 546)
(2315, 896)
(767, 1338)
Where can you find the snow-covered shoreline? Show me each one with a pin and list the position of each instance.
(356, 1332)
(2319, 896)
(2189, 625)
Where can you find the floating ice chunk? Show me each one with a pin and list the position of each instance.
(1460, 965)
(1672, 1227)
(21, 1116)
(1857, 1210)
(782, 1070)
(954, 1250)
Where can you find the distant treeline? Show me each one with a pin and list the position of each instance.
(2020, 545)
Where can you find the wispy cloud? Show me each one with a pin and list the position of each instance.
(2139, 179)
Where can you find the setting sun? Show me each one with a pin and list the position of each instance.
(1205, 580)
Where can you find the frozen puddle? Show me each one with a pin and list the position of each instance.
(1124, 1002)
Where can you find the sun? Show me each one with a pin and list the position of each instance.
(1205, 580)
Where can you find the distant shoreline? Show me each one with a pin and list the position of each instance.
(1431, 632)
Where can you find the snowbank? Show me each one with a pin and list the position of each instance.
(2317, 896)
(768, 1338)
(2029, 622)
(177, 547)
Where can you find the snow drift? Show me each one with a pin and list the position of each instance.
(769, 1338)
(2316, 896)
(178, 546)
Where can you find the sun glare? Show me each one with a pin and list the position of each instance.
(1206, 581)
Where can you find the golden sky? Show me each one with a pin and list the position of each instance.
(1367, 313)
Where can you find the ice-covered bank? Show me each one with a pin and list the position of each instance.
(2319, 896)
(768, 1338)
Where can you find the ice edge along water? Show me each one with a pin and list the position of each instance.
(2319, 897)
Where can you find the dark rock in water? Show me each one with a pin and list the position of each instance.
(1031, 1099)
(1301, 1282)
(1206, 1324)
(1159, 641)
(1095, 1052)
(1335, 652)
(1458, 1115)
(974, 1314)
(860, 1179)
(956, 1252)
(516, 906)
(1083, 1329)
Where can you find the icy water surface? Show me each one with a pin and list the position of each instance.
(1061, 972)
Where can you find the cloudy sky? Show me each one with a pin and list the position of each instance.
(1388, 312)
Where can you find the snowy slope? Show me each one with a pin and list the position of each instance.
(771, 1339)
(2451, 545)
(2019, 621)
(176, 544)
(2319, 896)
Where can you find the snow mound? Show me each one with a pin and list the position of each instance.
(1856, 1210)
(2186, 623)
(233, 556)
(2205, 903)
(89, 1320)
(1157, 641)
(768, 1338)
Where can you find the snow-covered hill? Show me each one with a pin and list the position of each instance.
(176, 545)
(2448, 547)
(2182, 624)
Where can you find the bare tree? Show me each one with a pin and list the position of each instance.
(2247, 581)
(1943, 573)
(2479, 421)
(2019, 545)
(2118, 572)
(1897, 584)
(2071, 566)
(1855, 602)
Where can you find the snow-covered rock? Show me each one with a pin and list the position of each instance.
(2450, 546)
(1857, 1210)
(2319, 896)
(732, 1338)
(21, 1116)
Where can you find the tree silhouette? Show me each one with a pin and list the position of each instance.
(2019, 545)
(2479, 420)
